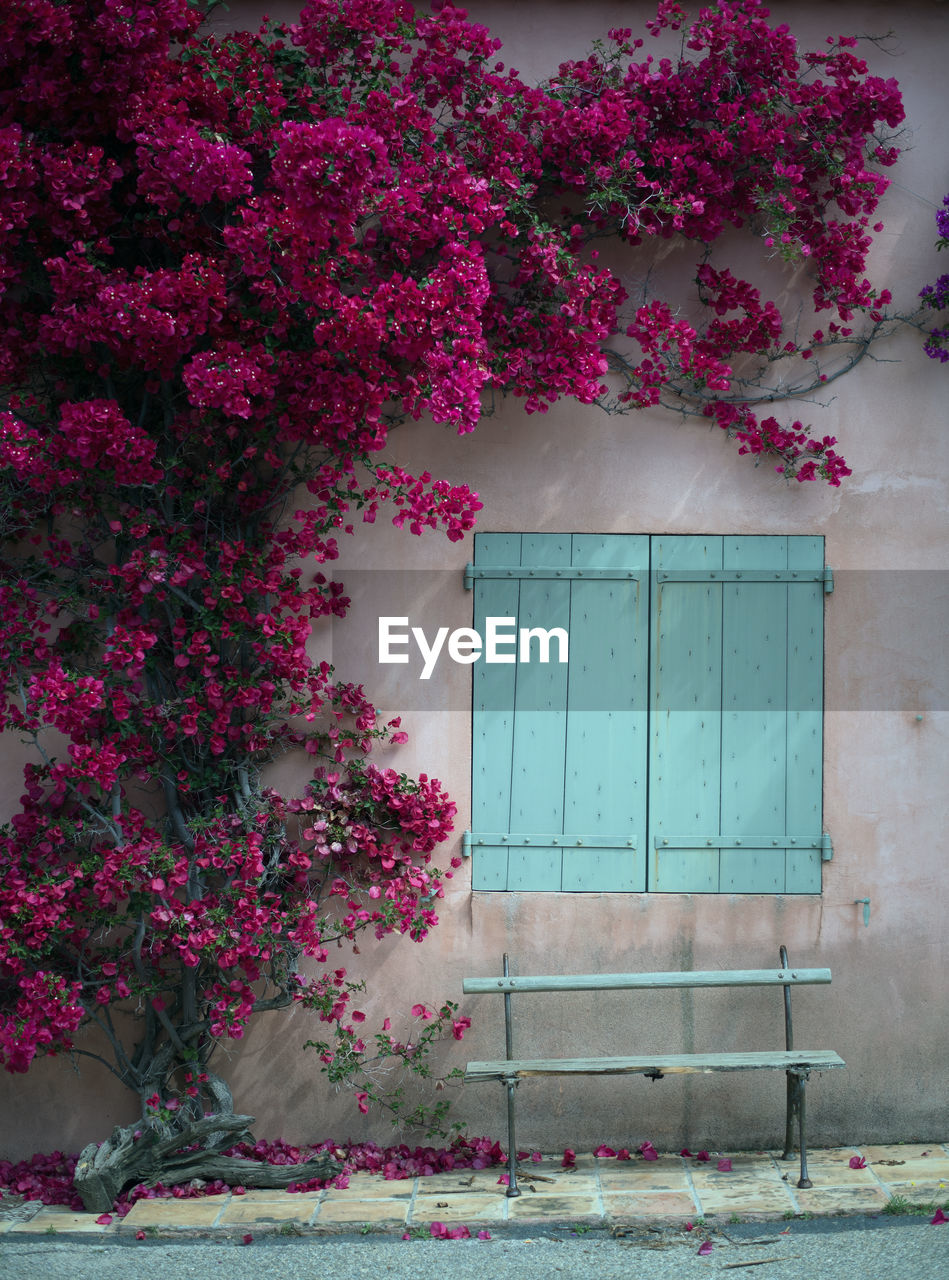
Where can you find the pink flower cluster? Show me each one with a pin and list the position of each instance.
(177, 163)
(47, 1010)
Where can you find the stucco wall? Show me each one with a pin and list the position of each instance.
(886, 729)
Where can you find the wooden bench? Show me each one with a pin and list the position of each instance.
(796, 1063)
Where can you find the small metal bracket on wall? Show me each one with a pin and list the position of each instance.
(866, 908)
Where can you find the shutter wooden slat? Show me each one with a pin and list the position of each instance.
(605, 783)
(754, 716)
(493, 716)
(685, 730)
(805, 715)
(540, 720)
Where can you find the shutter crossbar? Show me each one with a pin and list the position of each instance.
(540, 572)
(740, 575)
(739, 842)
(543, 840)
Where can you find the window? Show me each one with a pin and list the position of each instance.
(679, 747)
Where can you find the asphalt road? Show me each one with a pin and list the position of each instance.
(836, 1249)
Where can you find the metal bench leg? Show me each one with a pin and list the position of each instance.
(795, 1088)
(804, 1180)
(788, 1153)
(513, 1189)
(796, 1107)
(511, 1083)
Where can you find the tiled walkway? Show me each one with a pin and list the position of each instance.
(596, 1193)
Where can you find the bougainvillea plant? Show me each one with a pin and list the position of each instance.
(229, 265)
(935, 297)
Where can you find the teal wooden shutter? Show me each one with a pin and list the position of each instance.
(559, 751)
(735, 715)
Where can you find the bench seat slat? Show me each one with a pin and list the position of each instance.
(633, 981)
(671, 1064)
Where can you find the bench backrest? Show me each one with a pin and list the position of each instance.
(646, 981)
(508, 985)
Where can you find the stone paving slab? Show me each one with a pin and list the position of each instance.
(55, 1218)
(367, 1186)
(336, 1214)
(830, 1201)
(602, 1192)
(642, 1206)
(176, 1214)
(486, 1208)
(267, 1214)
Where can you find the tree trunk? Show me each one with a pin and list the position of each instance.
(193, 1150)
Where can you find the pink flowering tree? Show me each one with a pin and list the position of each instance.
(229, 265)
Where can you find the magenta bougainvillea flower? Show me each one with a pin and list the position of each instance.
(439, 1231)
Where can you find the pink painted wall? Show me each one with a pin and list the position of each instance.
(886, 730)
